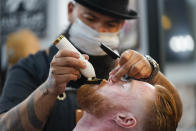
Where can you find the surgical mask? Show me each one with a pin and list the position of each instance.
(88, 40)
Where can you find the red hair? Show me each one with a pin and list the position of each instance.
(164, 112)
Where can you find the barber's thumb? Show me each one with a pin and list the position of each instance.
(86, 56)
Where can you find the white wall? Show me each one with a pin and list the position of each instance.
(143, 22)
(57, 21)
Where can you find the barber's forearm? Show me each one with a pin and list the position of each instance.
(31, 114)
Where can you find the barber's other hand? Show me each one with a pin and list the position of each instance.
(63, 68)
(133, 64)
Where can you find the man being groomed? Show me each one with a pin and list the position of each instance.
(127, 106)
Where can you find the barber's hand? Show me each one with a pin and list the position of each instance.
(63, 68)
(133, 64)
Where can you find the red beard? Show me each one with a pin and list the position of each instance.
(93, 102)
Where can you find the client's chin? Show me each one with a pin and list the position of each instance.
(92, 102)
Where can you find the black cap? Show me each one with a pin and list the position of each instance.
(114, 8)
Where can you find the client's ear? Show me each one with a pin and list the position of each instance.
(125, 120)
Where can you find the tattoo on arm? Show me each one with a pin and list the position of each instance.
(3, 126)
(16, 121)
(35, 122)
(12, 122)
(44, 91)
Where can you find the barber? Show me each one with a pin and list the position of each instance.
(29, 99)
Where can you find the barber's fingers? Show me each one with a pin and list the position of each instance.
(125, 56)
(133, 64)
(64, 67)
(67, 53)
(144, 73)
(65, 70)
(86, 56)
(136, 68)
(124, 69)
(61, 87)
(59, 79)
(114, 71)
(68, 61)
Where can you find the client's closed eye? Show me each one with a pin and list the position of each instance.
(122, 86)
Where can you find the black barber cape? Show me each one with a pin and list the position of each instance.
(29, 73)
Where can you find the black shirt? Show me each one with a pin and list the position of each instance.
(29, 73)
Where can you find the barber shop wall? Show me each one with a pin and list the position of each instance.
(179, 29)
(17, 15)
(57, 21)
(54, 23)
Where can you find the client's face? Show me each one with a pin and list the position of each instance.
(132, 96)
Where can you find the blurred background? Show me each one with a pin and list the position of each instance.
(166, 29)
